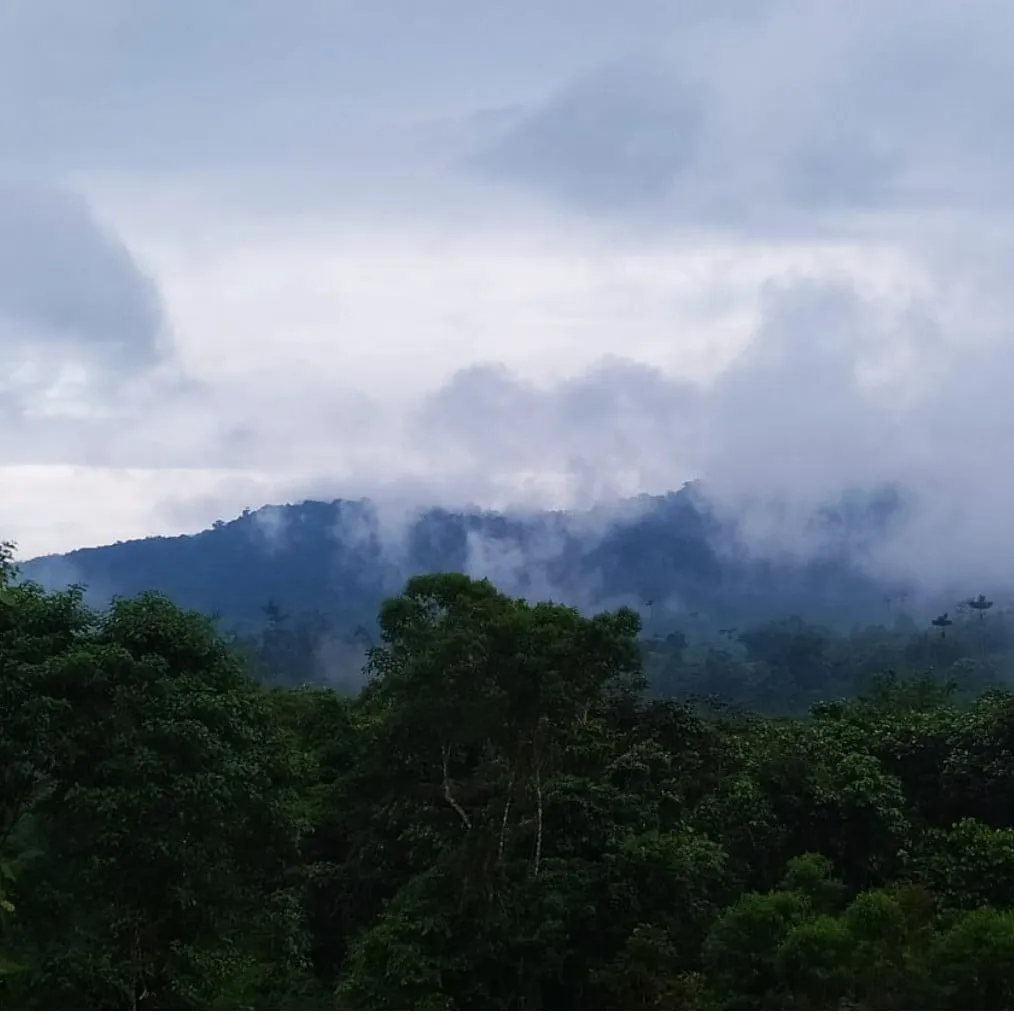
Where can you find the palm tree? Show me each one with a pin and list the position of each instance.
(980, 604)
(943, 621)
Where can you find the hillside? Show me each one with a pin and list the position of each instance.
(668, 557)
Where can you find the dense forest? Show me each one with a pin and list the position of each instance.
(781, 667)
(525, 806)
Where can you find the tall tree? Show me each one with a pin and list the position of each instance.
(169, 831)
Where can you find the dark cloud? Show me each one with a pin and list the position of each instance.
(64, 278)
(738, 113)
(839, 168)
(615, 139)
(183, 84)
(762, 124)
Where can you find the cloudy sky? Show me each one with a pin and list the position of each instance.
(525, 252)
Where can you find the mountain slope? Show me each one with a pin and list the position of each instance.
(665, 555)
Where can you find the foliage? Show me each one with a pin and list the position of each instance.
(502, 818)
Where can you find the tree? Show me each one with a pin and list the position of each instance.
(500, 819)
(487, 690)
(740, 954)
(169, 833)
(980, 604)
(942, 622)
(972, 966)
(967, 866)
(645, 975)
(490, 722)
(273, 614)
(794, 655)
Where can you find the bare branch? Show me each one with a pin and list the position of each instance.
(448, 794)
(538, 834)
(503, 821)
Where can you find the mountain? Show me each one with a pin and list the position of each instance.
(669, 556)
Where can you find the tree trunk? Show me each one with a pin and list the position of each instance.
(448, 794)
(503, 822)
(538, 831)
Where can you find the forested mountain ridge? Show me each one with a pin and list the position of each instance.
(666, 556)
(297, 589)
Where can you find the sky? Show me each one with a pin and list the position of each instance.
(538, 253)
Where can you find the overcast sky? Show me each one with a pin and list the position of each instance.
(526, 251)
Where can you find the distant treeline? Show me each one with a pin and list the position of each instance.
(780, 667)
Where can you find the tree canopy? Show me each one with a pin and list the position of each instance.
(514, 812)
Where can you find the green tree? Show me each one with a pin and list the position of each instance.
(169, 833)
(973, 964)
(490, 725)
(967, 866)
(942, 622)
(980, 605)
(482, 693)
(645, 975)
(740, 954)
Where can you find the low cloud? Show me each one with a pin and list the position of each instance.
(619, 426)
(833, 394)
(525, 259)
